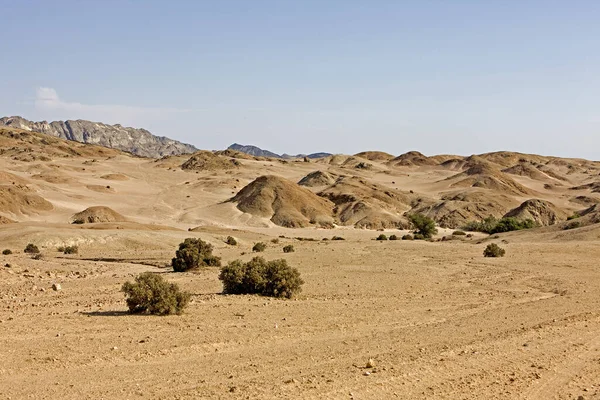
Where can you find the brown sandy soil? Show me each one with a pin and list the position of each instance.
(438, 319)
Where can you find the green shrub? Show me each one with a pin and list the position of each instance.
(337, 238)
(151, 294)
(382, 237)
(288, 249)
(6, 252)
(258, 276)
(408, 237)
(259, 247)
(491, 225)
(231, 241)
(393, 237)
(194, 253)
(572, 225)
(418, 236)
(424, 226)
(71, 250)
(458, 233)
(493, 250)
(31, 249)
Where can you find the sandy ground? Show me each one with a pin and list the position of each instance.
(439, 320)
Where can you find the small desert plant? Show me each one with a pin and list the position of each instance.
(275, 241)
(258, 276)
(231, 241)
(337, 238)
(71, 250)
(194, 253)
(574, 216)
(60, 249)
(288, 249)
(459, 233)
(393, 237)
(31, 249)
(259, 247)
(382, 237)
(6, 252)
(424, 226)
(493, 250)
(418, 236)
(151, 294)
(407, 237)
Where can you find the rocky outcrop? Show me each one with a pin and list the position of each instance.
(136, 141)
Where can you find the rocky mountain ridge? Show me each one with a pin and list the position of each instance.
(136, 141)
(258, 152)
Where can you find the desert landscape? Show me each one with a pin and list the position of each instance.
(376, 319)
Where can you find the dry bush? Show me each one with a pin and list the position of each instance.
(288, 249)
(70, 250)
(393, 237)
(259, 247)
(231, 241)
(151, 294)
(493, 250)
(194, 253)
(408, 237)
(258, 276)
(31, 249)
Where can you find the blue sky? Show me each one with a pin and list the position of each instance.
(342, 76)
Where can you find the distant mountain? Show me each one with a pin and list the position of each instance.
(136, 141)
(258, 152)
(253, 151)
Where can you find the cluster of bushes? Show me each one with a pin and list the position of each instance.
(194, 253)
(492, 225)
(151, 294)
(268, 278)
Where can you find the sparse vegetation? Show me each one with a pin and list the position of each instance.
(258, 276)
(424, 226)
(6, 252)
(151, 294)
(491, 225)
(275, 241)
(393, 237)
(194, 253)
(493, 250)
(418, 236)
(459, 233)
(288, 249)
(60, 249)
(71, 250)
(574, 216)
(382, 237)
(31, 249)
(259, 247)
(408, 237)
(231, 241)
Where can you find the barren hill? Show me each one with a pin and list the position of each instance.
(283, 202)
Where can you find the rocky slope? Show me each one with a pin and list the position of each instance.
(258, 152)
(136, 141)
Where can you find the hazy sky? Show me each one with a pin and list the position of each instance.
(342, 76)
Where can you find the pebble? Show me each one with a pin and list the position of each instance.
(56, 286)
